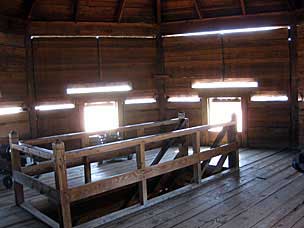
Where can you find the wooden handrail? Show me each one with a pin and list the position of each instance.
(79, 135)
(34, 150)
(94, 150)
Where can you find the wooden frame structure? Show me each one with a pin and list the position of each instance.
(60, 160)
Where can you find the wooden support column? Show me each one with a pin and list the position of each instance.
(245, 102)
(62, 184)
(16, 166)
(161, 95)
(233, 159)
(141, 164)
(87, 170)
(197, 168)
(293, 90)
(31, 89)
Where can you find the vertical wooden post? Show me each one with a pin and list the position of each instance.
(87, 170)
(86, 161)
(16, 166)
(62, 184)
(31, 86)
(233, 159)
(245, 102)
(197, 168)
(141, 164)
(293, 90)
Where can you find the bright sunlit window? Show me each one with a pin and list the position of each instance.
(101, 116)
(140, 101)
(228, 31)
(107, 88)
(184, 99)
(261, 98)
(54, 107)
(10, 110)
(220, 110)
(223, 85)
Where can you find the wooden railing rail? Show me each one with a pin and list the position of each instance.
(80, 135)
(95, 150)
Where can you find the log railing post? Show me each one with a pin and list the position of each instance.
(233, 159)
(197, 168)
(16, 166)
(62, 184)
(141, 164)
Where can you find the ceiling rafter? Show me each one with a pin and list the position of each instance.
(197, 8)
(292, 4)
(158, 11)
(30, 5)
(243, 6)
(120, 10)
(75, 10)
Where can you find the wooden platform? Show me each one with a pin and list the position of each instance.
(268, 193)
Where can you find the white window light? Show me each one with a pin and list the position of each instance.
(260, 98)
(54, 107)
(184, 99)
(228, 31)
(224, 85)
(100, 89)
(10, 110)
(140, 101)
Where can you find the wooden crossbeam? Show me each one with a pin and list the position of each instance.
(197, 8)
(167, 145)
(120, 10)
(243, 6)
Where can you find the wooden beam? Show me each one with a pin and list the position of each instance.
(38, 28)
(293, 90)
(16, 166)
(37, 185)
(34, 150)
(39, 215)
(61, 179)
(197, 8)
(243, 6)
(30, 5)
(75, 10)
(120, 10)
(158, 11)
(228, 22)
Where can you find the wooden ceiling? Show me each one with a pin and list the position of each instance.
(147, 11)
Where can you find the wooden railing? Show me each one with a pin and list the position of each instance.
(60, 160)
(83, 136)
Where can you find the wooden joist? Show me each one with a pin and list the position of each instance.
(91, 29)
(197, 8)
(243, 6)
(120, 10)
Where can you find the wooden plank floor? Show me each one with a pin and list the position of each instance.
(266, 193)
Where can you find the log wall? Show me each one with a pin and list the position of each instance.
(13, 78)
(57, 62)
(300, 74)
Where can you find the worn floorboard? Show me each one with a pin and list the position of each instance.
(266, 193)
